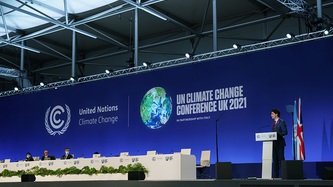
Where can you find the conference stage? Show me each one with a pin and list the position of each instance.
(191, 183)
(171, 109)
(208, 175)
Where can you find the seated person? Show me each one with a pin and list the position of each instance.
(46, 156)
(28, 157)
(67, 155)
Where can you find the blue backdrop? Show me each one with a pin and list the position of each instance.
(105, 116)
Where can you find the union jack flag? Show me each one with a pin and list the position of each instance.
(298, 137)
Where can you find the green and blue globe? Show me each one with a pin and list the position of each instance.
(156, 108)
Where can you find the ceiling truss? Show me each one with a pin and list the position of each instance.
(177, 62)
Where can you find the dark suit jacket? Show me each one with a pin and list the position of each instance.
(48, 158)
(281, 129)
(69, 156)
(29, 159)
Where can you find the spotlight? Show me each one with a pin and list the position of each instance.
(72, 79)
(236, 46)
(290, 35)
(41, 83)
(188, 55)
(16, 88)
(146, 64)
(108, 71)
(326, 32)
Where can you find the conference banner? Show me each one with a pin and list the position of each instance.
(180, 107)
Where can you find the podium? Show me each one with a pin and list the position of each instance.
(267, 139)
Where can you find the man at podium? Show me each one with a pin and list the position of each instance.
(279, 126)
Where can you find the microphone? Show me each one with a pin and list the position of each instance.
(216, 137)
(263, 127)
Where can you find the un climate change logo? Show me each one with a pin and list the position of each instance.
(155, 108)
(55, 117)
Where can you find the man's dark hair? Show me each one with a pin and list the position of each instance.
(276, 111)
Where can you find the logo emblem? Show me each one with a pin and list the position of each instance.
(55, 118)
(156, 108)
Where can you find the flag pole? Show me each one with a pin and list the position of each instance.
(294, 133)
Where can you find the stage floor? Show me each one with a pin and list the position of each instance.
(192, 183)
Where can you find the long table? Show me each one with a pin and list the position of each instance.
(161, 167)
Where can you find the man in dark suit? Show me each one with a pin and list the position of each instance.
(46, 156)
(67, 155)
(279, 126)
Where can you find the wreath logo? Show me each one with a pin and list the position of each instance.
(58, 126)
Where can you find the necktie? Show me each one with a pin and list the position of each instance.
(274, 124)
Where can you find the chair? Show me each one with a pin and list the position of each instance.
(36, 158)
(151, 152)
(124, 154)
(96, 155)
(185, 151)
(7, 161)
(204, 163)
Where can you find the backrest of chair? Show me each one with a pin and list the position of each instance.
(124, 154)
(205, 158)
(36, 158)
(7, 161)
(185, 151)
(96, 155)
(153, 152)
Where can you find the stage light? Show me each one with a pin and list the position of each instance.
(41, 83)
(188, 55)
(236, 46)
(108, 71)
(16, 88)
(290, 35)
(72, 79)
(146, 64)
(326, 32)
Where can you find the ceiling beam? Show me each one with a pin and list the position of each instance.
(162, 16)
(164, 42)
(62, 56)
(56, 28)
(55, 22)
(271, 6)
(108, 38)
(175, 20)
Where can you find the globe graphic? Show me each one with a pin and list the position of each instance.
(155, 108)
